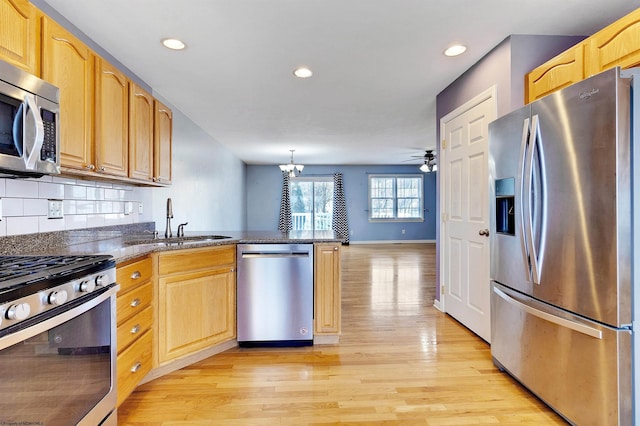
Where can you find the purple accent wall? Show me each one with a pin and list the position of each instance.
(505, 66)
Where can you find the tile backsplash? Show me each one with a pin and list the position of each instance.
(86, 204)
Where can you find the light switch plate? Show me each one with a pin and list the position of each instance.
(55, 209)
(128, 207)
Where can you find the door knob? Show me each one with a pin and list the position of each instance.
(484, 232)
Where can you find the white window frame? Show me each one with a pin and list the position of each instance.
(395, 217)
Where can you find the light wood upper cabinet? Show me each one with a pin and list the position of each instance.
(561, 71)
(163, 123)
(19, 35)
(196, 300)
(327, 288)
(141, 112)
(616, 45)
(68, 63)
(112, 120)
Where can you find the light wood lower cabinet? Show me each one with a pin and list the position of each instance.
(196, 300)
(327, 288)
(135, 322)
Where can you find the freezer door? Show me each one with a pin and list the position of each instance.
(508, 137)
(577, 178)
(578, 367)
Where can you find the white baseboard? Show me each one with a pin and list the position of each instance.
(437, 305)
(394, 242)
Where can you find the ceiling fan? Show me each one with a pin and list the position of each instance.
(429, 158)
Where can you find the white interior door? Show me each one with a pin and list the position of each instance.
(464, 185)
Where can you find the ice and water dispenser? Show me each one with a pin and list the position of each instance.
(505, 206)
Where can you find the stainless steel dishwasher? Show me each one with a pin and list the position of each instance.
(275, 294)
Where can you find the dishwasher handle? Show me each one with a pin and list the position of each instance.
(273, 254)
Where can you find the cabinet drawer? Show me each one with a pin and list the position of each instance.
(132, 365)
(134, 327)
(193, 260)
(131, 275)
(133, 302)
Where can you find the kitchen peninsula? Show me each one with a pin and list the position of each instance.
(177, 302)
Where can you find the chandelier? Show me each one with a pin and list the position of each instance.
(291, 168)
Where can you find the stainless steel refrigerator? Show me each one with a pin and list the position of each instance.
(563, 205)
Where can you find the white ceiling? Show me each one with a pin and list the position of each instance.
(378, 64)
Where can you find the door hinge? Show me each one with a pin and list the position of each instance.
(442, 289)
(444, 144)
(444, 217)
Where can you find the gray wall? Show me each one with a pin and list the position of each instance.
(505, 67)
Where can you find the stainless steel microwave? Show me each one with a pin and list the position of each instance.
(29, 124)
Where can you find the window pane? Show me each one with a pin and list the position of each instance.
(311, 204)
(323, 205)
(395, 197)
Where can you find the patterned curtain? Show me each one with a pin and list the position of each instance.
(284, 221)
(340, 223)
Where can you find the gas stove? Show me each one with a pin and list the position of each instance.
(33, 285)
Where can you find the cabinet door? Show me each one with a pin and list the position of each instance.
(68, 64)
(561, 71)
(112, 120)
(327, 288)
(18, 34)
(140, 133)
(616, 45)
(162, 143)
(196, 310)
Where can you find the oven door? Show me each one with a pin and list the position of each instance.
(61, 371)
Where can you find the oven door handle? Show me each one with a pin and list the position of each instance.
(48, 324)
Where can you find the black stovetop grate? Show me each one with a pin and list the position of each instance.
(22, 266)
(21, 272)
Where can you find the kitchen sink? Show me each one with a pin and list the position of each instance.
(175, 240)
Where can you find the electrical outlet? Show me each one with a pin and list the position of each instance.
(55, 209)
(140, 208)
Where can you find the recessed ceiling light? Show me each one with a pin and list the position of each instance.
(302, 72)
(455, 50)
(173, 44)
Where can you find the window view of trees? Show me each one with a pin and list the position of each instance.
(394, 197)
(312, 203)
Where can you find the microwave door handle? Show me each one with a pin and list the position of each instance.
(34, 151)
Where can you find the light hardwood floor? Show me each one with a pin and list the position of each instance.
(399, 362)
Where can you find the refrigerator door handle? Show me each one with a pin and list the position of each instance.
(533, 255)
(575, 326)
(523, 236)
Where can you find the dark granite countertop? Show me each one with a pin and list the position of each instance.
(131, 242)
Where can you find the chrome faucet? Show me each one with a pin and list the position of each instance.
(167, 231)
(181, 229)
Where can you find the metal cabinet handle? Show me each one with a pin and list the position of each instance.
(135, 302)
(136, 275)
(335, 249)
(484, 232)
(90, 167)
(135, 329)
(136, 367)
